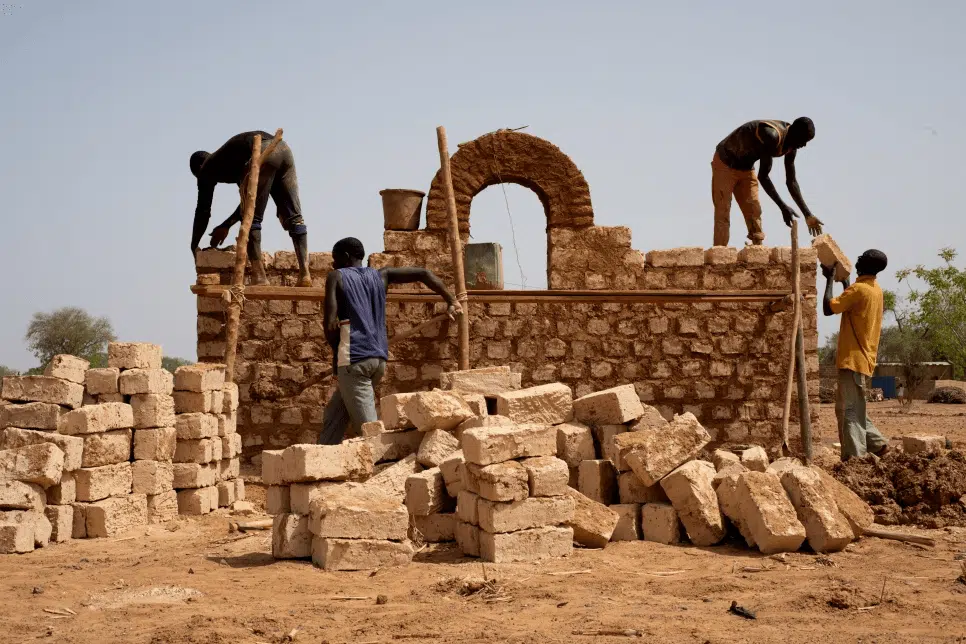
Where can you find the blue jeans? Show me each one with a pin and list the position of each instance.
(857, 434)
(354, 401)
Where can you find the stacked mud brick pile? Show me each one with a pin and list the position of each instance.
(206, 454)
(36, 462)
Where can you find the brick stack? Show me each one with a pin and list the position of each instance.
(206, 455)
(37, 464)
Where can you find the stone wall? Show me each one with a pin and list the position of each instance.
(724, 361)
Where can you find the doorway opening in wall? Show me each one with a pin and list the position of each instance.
(513, 217)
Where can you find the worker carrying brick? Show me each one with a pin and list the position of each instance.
(355, 328)
(276, 178)
(861, 308)
(733, 173)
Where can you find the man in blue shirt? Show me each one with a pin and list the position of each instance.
(355, 327)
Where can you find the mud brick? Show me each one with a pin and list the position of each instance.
(593, 523)
(754, 254)
(720, 255)
(526, 545)
(146, 381)
(110, 398)
(15, 495)
(79, 530)
(96, 483)
(194, 475)
(609, 407)
(359, 554)
(660, 523)
(152, 410)
(373, 429)
(71, 446)
(217, 401)
(632, 490)
(133, 355)
(301, 495)
(692, 495)
(114, 516)
(429, 410)
(394, 446)
(923, 444)
(346, 513)
(768, 513)
(468, 538)
(575, 443)
(42, 389)
(196, 501)
(856, 511)
(229, 468)
(392, 480)
(192, 402)
(272, 470)
(291, 538)
(200, 377)
(102, 381)
(17, 532)
(107, 448)
(42, 464)
(231, 446)
(351, 459)
(484, 446)
(216, 454)
(755, 458)
(195, 451)
(723, 458)
(436, 528)
(606, 436)
(152, 477)
(452, 469)
(477, 403)
(826, 529)
(227, 424)
(67, 367)
(547, 475)
(629, 524)
(597, 480)
(229, 402)
(488, 381)
(65, 492)
(467, 507)
(61, 519)
(278, 499)
(782, 465)
(550, 404)
(507, 481)
(435, 447)
(157, 444)
(239, 490)
(94, 419)
(392, 411)
(162, 507)
(726, 488)
(37, 415)
(426, 493)
(226, 493)
(195, 426)
(684, 256)
(529, 513)
(659, 451)
(829, 253)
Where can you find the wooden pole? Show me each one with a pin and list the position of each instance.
(804, 417)
(793, 335)
(249, 191)
(456, 248)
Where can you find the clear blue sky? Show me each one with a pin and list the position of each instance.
(104, 102)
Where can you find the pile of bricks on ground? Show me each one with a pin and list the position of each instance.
(206, 456)
(88, 453)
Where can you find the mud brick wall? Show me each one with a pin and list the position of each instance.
(724, 361)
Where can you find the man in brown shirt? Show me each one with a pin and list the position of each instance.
(733, 173)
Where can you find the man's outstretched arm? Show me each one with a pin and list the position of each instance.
(220, 232)
(764, 168)
(206, 192)
(410, 274)
(333, 281)
(791, 181)
(844, 301)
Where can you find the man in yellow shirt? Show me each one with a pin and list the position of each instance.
(861, 307)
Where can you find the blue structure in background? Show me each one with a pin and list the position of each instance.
(887, 384)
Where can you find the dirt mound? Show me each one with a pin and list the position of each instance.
(922, 489)
(948, 395)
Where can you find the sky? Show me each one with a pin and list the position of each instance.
(105, 101)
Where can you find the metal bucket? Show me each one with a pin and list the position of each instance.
(400, 208)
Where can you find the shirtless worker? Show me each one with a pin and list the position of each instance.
(733, 173)
(861, 307)
(355, 327)
(276, 178)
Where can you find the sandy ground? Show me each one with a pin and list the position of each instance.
(195, 581)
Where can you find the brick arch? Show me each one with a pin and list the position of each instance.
(513, 157)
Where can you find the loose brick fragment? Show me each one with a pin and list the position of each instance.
(659, 451)
(723, 458)
(42, 389)
(550, 404)
(629, 522)
(360, 554)
(609, 407)
(36, 415)
(768, 513)
(782, 465)
(726, 488)
(507, 481)
(114, 516)
(487, 445)
(829, 254)
(631, 490)
(856, 511)
(435, 447)
(429, 410)
(826, 529)
(452, 469)
(593, 523)
(133, 355)
(42, 464)
(94, 419)
(755, 458)
(692, 495)
(660, 523)
(394, 446)
(71, 446)
(348, 460)
(923, 444)
(426, 493)
(392, 411)
(392, 480)
(526, 545)
(575, 443)
(610, 449)
(488, 381)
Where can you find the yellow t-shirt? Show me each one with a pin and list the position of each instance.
(861, 309)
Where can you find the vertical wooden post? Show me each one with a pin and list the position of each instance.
(456, 248)
(249, 194)
(793, 335)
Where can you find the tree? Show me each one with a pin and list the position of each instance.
(69, 330)
(940, 307)
(826, 352)
(7, 371)
(907, 343)
(172, 363)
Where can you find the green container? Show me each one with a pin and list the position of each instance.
(483, 266)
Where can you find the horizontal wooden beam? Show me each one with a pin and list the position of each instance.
(314, 294)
